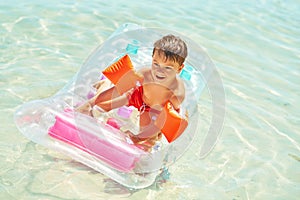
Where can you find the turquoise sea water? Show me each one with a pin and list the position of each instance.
(256, 48)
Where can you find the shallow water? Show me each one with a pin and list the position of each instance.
(256, 49)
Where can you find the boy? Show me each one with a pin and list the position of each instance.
(160, 88)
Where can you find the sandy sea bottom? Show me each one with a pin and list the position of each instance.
(255, 47)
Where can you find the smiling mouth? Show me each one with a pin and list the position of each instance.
(159, 77)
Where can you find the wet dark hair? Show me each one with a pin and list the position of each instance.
(172, 48)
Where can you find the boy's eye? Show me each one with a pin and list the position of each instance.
(168, 68)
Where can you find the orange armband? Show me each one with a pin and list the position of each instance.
(122, 74)
(171, 123)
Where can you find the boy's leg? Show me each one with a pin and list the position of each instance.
(107, 100)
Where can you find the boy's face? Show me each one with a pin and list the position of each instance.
(164, 70)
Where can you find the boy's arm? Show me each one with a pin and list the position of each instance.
(123, 75)
(176, 101)
(170, 121)
(178, 96)
(108, 99)
(124, 78)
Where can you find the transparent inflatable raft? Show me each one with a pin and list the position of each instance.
(51, 122)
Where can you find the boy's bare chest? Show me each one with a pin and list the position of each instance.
(155, 95)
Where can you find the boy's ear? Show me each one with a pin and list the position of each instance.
(180, 68)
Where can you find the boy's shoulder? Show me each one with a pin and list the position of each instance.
(180, 90)
(144, 71)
